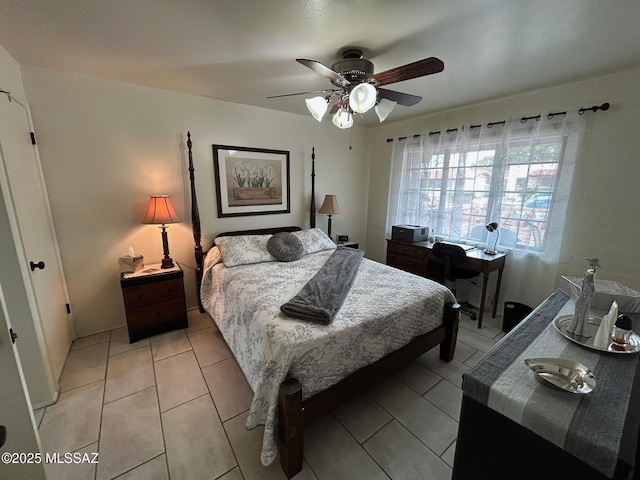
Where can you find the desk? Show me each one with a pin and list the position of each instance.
(418, 258)
(512, 426)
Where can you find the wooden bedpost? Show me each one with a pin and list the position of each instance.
(195, 223)
(312, 209)
(451, 321)
(290, 427)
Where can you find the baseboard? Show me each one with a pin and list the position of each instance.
(53, 401)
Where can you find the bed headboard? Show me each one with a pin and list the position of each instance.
(260, 231)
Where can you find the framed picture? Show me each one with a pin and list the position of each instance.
(251, 181)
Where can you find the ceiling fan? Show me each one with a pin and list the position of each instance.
(358, 88)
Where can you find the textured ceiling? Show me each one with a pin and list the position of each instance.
(244, 51)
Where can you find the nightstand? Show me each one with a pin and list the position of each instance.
(154, 301)
(348, 244)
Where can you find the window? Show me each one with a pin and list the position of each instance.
(464, 178)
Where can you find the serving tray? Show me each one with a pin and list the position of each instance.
(561, 374)
(562, 322)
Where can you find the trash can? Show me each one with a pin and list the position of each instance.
(514, 312)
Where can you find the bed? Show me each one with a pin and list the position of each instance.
(301, 370)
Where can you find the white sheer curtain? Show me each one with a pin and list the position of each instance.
(515, 173)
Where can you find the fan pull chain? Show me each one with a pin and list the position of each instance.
(350, 135)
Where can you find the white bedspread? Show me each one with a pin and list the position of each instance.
(385, 309)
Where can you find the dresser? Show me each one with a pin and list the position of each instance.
(512, 426)
(154, 301)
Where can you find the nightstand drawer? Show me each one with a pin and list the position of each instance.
(155, 314)
(142, 295)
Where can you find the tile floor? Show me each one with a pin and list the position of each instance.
(174, 407)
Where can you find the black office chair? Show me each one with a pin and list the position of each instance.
(454, 258)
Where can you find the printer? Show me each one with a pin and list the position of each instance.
(410, 233)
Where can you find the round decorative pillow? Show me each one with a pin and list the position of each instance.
(285, 247)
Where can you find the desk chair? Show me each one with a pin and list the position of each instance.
(454, 257)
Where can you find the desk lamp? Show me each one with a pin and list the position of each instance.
(492, 227)
(161, 212)
(330, 207)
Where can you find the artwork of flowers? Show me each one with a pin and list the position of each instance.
(251, 181)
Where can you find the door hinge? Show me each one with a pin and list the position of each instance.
(13, 335)
(68, 308)
(33, 138)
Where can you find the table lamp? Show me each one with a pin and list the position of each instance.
(329, 207)
(161, 212)
(492, 227)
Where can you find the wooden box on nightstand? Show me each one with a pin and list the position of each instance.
(154, 301)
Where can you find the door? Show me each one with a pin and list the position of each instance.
(27, 203)
(21, 443)
(15, 407)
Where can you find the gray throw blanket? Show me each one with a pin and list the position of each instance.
(323, 295)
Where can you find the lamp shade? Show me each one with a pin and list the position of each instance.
(161, 211)
(343, 119)
(492, 227)
(317, 106)
(330, 205)
(362, 98)
(384, 108)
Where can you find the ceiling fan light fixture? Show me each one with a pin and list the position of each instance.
(317, 106)
(384, 108)
(343, 118)
(362, 97)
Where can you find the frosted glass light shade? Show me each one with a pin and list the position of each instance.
(343, 119)
(384, 108)
(362, 98)
(317, 106)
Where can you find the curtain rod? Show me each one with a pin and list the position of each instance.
(595, 108)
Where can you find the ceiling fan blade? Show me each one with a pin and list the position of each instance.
(330, 91)
(402, 98)
(417, 69)
(323, 70)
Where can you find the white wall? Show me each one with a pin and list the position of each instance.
(603, 214)
(106, 146)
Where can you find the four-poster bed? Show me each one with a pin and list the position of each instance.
(298, 370)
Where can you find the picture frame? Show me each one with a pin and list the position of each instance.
(251, 181)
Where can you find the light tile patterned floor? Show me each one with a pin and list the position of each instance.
(174, 407)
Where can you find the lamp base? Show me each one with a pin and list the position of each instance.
(167, 263)
(490, 252)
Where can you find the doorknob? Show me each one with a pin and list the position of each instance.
(39, 265)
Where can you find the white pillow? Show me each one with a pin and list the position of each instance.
(213, 257)
(314, 240)
(244, 250)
